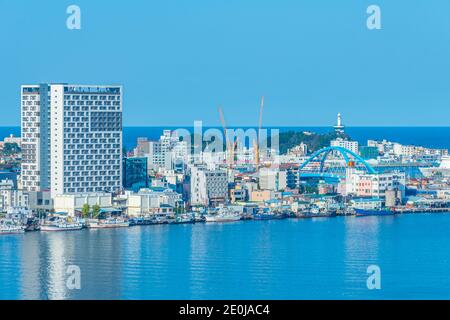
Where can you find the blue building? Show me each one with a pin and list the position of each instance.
(135, 175)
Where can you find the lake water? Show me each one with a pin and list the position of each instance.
(322, 258)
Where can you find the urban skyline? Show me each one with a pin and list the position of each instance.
(221, 150)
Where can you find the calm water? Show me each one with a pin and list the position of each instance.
(432, 137)
(288, 259)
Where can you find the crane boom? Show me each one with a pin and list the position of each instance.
(261, 110)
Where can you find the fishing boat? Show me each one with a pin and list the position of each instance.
(61, 226)
(223, 216)
(6, 228)
(269, 215)
(183, 218)
(141, 221)
(108, 223)
(373, 212)
(199, 217)
(315, 212)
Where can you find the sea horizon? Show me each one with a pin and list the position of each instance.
(432, 137)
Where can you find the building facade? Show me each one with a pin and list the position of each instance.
(135, 174)
(71, 138)
(208, 187)
(11, 197)
(347, 144)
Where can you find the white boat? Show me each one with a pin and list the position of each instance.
(11, 229)
(61, 226)
(223, 217)
(108, 223)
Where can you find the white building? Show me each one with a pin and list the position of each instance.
(272, 179)
(164, 153)
(375, 185)
(10, 197)
(71, 203)
(300, 150)
(148, 201)
(347, 144)
(410, 150)
(71, 138)
(208, 187)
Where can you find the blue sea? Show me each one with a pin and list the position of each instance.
(319, 258)
(432, 137)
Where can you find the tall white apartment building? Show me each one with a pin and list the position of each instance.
(71, 138)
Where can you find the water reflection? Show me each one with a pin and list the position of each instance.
(289, 259)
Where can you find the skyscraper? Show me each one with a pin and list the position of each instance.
(71, 138)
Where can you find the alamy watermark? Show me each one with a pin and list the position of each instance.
(374, 280)
(73, 21)
(374, 20)
(231, 145)
(73, 281)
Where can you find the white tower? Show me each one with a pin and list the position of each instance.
(339, 127)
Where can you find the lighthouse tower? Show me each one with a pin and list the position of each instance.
(339, 127)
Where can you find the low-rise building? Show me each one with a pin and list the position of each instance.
(153, 200)
(72, 203)
(11, 197)
(347, 144)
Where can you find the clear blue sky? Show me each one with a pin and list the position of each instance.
(178, 60)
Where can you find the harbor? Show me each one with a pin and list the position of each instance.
(19, 223)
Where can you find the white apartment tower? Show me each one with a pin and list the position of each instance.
(71, 138)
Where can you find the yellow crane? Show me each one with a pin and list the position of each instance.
(257, 142)
(229, 146)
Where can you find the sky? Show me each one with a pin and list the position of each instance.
(179, 60)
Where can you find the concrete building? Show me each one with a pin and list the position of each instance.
(238, 194)
(11, 197)
(362, 184)
(272, 179)
(165, 153)
(71, 138)
(135, 174)
(347, 144)
(261, 195)
(155, 200)
(208, 187)
(40, 200)
(72, 203)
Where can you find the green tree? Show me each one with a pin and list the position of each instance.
(95, 210)
(85, 210)
(10, 149)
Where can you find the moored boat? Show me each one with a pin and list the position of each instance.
(108, 223)
(316, 212)
(223, 217)
(270, 215)
(61, 226)
(184, 218)
(373, 212)
(11, 229)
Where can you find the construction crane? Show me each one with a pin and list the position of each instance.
(229, 146)
(256, 143)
